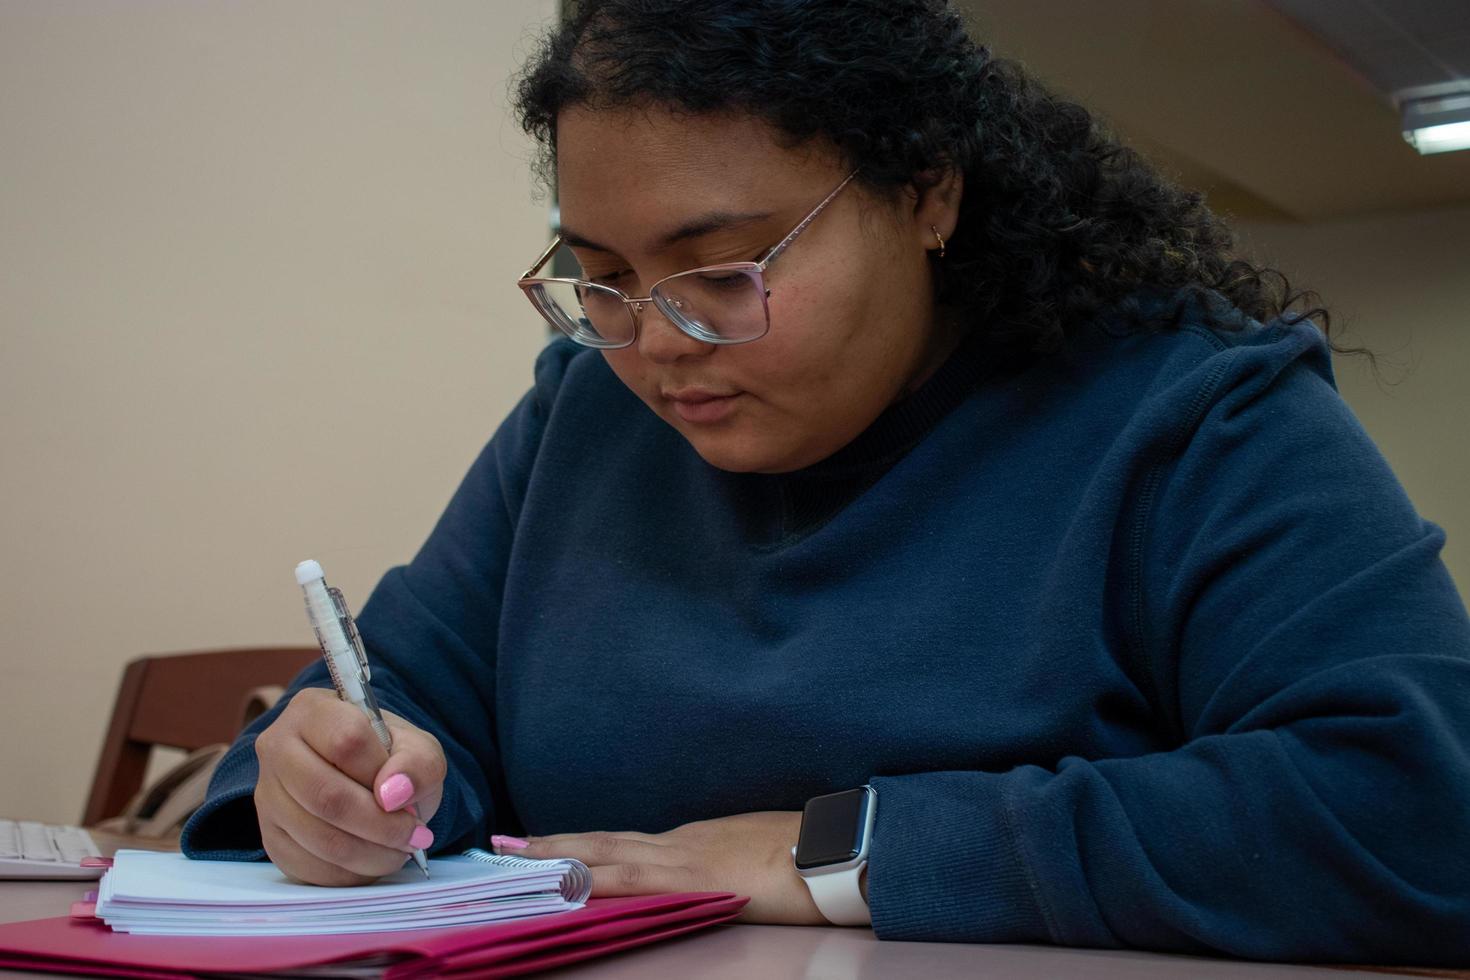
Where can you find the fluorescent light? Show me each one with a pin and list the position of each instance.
(1438, 125)
(1442, 138)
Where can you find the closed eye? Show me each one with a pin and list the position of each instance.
(726, 280)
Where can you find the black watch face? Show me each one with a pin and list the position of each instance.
(832, 829)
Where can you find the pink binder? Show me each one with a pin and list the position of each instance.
(502, 949)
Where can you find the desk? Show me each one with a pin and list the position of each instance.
(740, 952)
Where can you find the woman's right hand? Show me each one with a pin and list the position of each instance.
(334, 806)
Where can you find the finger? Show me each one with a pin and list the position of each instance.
(311, 785)
(297, 863)
(659, 840)
(342, 734)
(331, 843)
(413, 775)
(303, 866)
(601, 848)
(617, 880)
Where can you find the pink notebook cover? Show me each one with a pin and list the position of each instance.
(503, 949)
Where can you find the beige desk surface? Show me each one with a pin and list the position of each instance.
(792, 953)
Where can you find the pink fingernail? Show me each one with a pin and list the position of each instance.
(421, 837)
(395, 791)
(501, 842)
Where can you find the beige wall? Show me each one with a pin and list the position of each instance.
(256, 304)
(1399, 285)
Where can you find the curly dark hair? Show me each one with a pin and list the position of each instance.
(1058, 219)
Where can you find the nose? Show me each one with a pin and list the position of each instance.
(660, 341)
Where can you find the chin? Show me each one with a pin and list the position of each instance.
(722, 458)
(747, 445)
(739, 455)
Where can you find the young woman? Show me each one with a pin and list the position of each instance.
(909, 434)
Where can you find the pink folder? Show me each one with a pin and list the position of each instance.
(502, 949)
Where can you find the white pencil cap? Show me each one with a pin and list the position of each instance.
(308, 571)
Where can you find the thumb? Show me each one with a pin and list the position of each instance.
(413, 775)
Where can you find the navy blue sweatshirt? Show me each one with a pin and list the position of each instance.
(1140, 645)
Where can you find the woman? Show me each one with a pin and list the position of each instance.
(910, 434)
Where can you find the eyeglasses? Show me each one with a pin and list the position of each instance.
(716, 304)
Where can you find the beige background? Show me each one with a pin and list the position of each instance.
(1400, 285)
(256, 304)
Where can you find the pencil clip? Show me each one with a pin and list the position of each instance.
(349, 630)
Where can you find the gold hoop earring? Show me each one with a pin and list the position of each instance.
(940, 237)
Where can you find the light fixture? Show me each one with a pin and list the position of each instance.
(1436, 122)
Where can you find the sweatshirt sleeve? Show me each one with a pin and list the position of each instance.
(430, 631)
(1298, 629)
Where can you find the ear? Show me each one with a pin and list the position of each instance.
(936, 205)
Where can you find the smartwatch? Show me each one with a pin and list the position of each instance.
(832, 850)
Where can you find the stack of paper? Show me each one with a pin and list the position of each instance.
(160, 894)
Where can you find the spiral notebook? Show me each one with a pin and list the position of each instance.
(167, 894)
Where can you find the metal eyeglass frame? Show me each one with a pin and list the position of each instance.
(634, 304)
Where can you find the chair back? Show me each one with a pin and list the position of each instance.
(183, 701)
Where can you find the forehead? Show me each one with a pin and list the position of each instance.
(652, 166)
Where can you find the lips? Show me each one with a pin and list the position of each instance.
(702, 405)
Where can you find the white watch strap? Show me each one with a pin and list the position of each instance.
(839, 896)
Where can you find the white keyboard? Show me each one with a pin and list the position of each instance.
(29, 849)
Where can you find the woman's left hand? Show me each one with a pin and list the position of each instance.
(749, 854)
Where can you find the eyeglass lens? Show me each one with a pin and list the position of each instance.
(715, 305)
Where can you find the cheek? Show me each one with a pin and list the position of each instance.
(830, 341)
(633, 372)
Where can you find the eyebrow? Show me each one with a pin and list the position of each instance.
(705, 224)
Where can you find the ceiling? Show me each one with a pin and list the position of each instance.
(1397, 44)
(1276, 109)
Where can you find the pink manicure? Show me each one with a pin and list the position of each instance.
(502, 842)
(395, 791)
(421, 838)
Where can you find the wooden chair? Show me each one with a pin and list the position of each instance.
(183, 701)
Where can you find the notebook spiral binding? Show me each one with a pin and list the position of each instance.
(576, 884)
